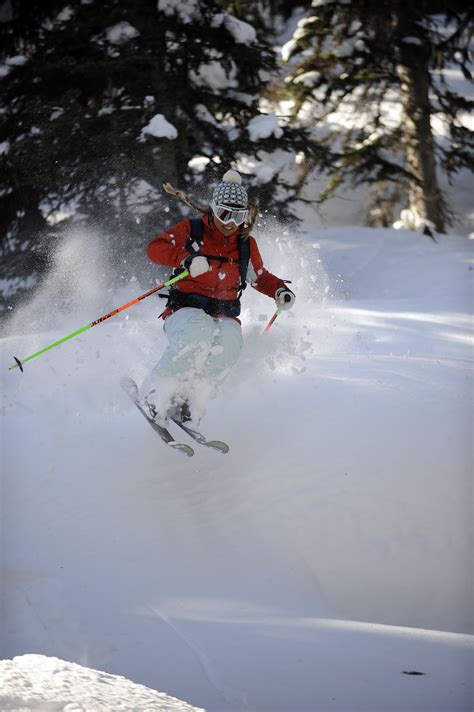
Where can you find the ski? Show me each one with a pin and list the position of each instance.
(131, 389)
(198, 437)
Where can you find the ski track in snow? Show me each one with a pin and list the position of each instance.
(206, 663)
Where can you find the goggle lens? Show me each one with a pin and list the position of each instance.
(227, 215)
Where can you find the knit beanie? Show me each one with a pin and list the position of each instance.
(230, 192)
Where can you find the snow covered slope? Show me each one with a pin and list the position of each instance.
(315, 565)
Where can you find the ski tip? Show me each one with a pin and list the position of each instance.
(129, 386)
(181, 447)
(17, 364)
(218, 445)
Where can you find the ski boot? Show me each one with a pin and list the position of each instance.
(152, 411)
(180, 411)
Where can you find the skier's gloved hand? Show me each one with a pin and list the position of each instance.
(284, 298)
(196, 265)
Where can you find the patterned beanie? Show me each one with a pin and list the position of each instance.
(230, 192)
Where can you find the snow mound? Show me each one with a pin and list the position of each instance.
(36, 682)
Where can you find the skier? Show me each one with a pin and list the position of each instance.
(201, 314)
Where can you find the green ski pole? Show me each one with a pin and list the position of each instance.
(19, 363)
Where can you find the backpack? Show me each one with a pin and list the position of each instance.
(231, 308)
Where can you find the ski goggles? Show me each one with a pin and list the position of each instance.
(227, 215)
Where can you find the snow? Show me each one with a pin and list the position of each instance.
(34, 680)
(159, 127)
(57, 113)
(214, 75)
(16, 61)
(324, 558)
(187, 10)
(203, 114)
(411, 220)
(264, 126)
(309, 79)
(412, 41)
(121, 33)
(10, 285)
(198, 164)
(65, 15)
(242, 32)
(141, 197)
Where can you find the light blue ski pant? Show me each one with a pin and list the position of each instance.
(201, 352)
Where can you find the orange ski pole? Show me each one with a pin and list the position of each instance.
(278, 311)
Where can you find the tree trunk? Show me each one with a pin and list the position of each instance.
(426, 200)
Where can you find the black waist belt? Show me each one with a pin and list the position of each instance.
(224, 307)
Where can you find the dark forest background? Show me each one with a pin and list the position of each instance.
(80, 82)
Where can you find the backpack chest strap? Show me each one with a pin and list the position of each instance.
(227, 260)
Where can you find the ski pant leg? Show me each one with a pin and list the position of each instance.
(189, 334)
(199, 355)
(226, 346)
(227, 343)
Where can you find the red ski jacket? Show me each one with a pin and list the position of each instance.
(223, 279)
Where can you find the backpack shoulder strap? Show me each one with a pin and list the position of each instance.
(196, 235)
(244, 258)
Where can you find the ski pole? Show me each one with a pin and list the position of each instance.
(19, 364)
(278, 311)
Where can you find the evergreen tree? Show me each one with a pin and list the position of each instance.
(269, 16)
(359, 59)
(103, 102)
